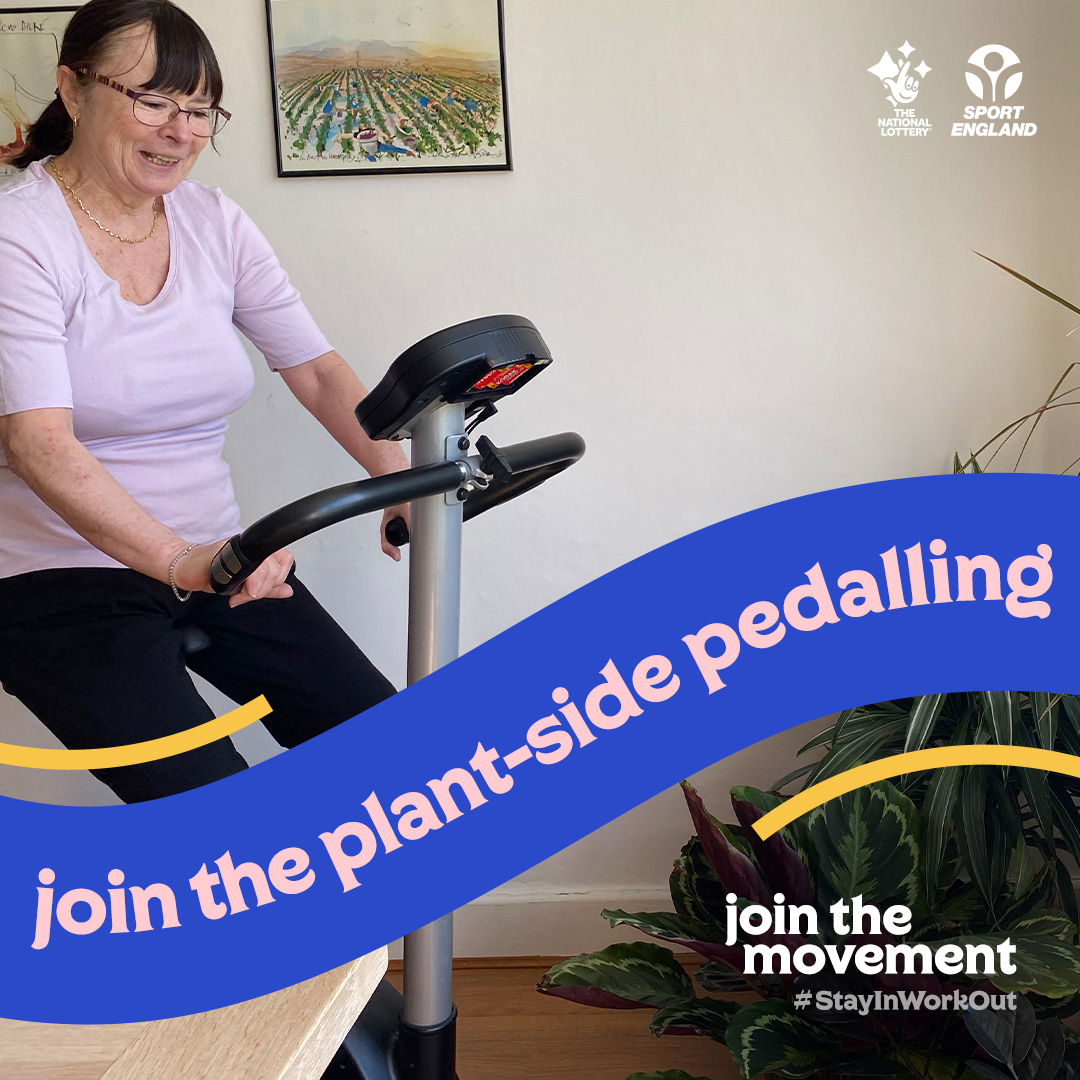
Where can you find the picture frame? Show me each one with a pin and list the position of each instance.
(375, 87)
(29, 52)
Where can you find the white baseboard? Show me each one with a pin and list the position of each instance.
(534, 920)
(531, 920)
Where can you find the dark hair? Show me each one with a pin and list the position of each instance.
(185, 61)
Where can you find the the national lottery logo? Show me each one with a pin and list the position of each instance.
(993, 75)
(898, 77)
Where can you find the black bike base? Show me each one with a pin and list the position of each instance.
(381, 1046)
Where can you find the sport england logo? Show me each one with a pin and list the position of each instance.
(993, 75)
(993, 61)
(903, 89)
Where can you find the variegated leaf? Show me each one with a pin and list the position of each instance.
(780, 863)
(867, 842)
(702, 1016)
(1044, 709)
(924, 714)
(937, 813)
(1049, 922)
(1045, 965)
(1001, 708)
(769, 1036)
(679, 931)
(637, 975)
(795, 833)
(695, 889)
(866, 746)
(735, 871)
(719, 978)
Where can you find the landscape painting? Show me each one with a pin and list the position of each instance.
(385, 86)
(29, 51)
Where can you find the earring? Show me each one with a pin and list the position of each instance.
(74, 121)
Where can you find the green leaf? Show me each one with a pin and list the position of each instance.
(851, 720)
(1037, 899)
(733, 869)
(1070, 1065)
(1044, 964)
(703, 1016)
(1003, 826)
(1028, 281)
(763, 800)
(961, 906)
(1048, 922)
(786, 779)
(999, 706)
(769, 1036)
(1068, 730)
(695, 889)
(924, 714)
(1065, 815)
(719, 978)
(868, 844)
(972, 832)
(1024, 866)
(781, 865)
(622, 976)
(1035, 785)
(795, 834)
(1047, 1050)
(938, 808)
(1044, 708)
(1005, 1034)
(1065, 894)
(707, 940)
(864, 747)
(1071, 704)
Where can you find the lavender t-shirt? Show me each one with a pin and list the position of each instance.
(149, 386)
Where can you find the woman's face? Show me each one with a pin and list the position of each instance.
(132, 158)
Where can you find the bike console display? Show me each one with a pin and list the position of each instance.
(475, 362)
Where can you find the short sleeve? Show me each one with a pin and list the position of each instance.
(33, 340)
(267, 309)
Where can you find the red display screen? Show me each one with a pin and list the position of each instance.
(500, 377)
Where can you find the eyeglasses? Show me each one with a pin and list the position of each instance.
(156, 110)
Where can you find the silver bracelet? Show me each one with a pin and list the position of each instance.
(172, 573)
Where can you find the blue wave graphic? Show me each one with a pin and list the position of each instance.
(533, 740)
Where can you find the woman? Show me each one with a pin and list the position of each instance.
(122, 284)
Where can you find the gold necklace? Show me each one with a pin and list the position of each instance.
(123, 239)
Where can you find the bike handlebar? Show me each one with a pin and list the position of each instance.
(513, 469)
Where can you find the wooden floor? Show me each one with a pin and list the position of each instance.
(508, 1031)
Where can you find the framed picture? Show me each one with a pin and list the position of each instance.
(29, 52)
(388, 86)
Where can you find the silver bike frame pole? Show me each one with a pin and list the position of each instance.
(434, 619)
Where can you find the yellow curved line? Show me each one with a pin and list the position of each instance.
(937, 757)
(109, 757)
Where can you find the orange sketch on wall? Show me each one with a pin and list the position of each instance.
(29, 51)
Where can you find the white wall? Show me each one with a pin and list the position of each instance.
(750, 295)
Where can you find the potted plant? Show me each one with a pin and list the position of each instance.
(870, 842)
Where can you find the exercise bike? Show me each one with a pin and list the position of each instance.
(434, 394)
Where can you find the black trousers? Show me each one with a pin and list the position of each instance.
(98, 656)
